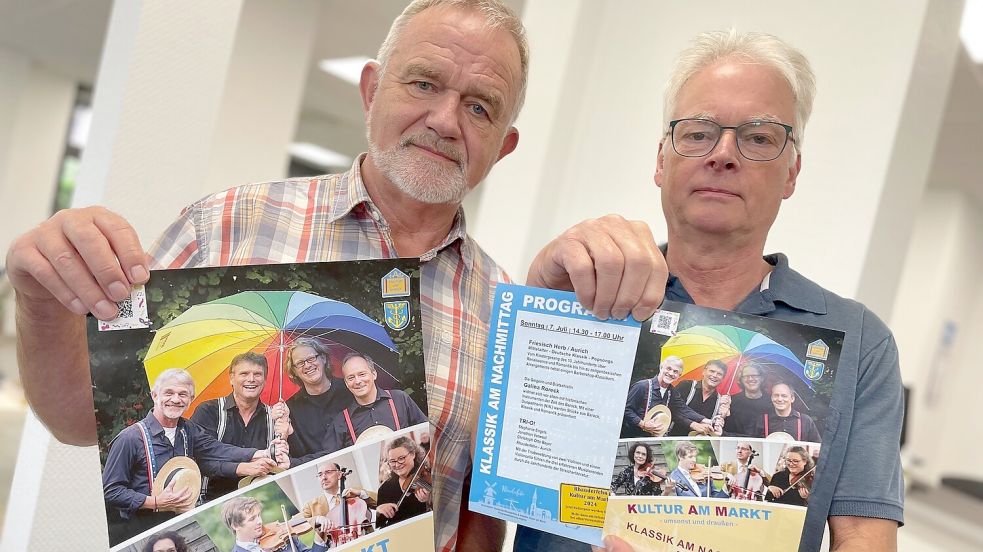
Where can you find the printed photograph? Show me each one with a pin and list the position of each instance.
(217, 378)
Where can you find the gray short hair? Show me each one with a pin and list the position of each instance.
(759, 48)
(497, 16)
(671, 360)
(179, 375)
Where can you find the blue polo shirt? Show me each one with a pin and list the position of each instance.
(859, 471)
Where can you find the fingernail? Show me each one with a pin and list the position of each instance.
(104, 310)
(118, 291)
(619, 314)
(77, 307)
(139, 274)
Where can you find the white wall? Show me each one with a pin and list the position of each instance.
(594, 151)
(35, 109)
(940, 287)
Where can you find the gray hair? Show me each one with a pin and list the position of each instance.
(753, 47)
(179, 375)
(673, 361)
(497, 16)
(368, 360)
(319, 350)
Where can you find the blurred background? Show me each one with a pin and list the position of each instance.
(150, 103)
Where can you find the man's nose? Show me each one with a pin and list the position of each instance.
(726, 154)
(444, 115)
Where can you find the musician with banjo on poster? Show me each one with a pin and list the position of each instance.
(653, 405)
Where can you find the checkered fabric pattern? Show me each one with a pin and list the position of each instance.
(332, 218)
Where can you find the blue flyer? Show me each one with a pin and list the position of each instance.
(555, 382)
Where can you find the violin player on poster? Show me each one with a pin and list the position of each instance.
(243, 515)
(325, 512)
(641, 477)
(399, 497)
(693, 479)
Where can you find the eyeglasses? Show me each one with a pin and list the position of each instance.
(794, 461)
(306, 361)
(399, 459)
(756, 140)
(320, 473)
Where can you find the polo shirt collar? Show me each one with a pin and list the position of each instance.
(352, 193)
(784, 286)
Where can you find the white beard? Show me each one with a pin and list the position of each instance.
(425, 180)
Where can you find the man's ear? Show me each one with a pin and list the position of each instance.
(793, 175)
(509, 143)
(660, 161)
(369, 83)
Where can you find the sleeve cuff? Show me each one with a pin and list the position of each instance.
(867, 508)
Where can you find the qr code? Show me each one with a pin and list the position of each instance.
(665, 323)
(132, 313)
(125, 308)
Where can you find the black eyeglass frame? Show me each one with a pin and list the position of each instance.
(788, 137)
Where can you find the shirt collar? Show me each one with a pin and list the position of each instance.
(380, 395)
(153, 424)
(351, 193)
(784, 286)
(230, 403)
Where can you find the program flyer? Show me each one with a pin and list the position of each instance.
(235, 403)
(720, 417)
(554, 380)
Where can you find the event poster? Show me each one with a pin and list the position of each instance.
(722, 430)
(550, 413)
(283, 405)
(719, 414)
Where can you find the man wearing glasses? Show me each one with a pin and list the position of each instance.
(320, 397)
(748, 406)
(325, 514)
(735, 110)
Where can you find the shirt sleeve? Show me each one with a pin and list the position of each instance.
(414, 415)
(116, 474)
(178, 246)
(206, 417)
(217, 455)
(874, 439)
(636, 396)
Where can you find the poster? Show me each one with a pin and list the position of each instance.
(700, 426)
(232, 399)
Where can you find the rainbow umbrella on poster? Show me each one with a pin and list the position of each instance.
(736, 347)
(205, 338)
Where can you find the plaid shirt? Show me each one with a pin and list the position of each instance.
(332, 218)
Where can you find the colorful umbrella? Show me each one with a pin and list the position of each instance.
(736, 347)
(205, 338)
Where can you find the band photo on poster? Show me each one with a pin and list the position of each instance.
(228, 383)
(722, 430)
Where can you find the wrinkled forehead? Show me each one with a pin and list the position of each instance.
(172, 386)
(457, 43)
